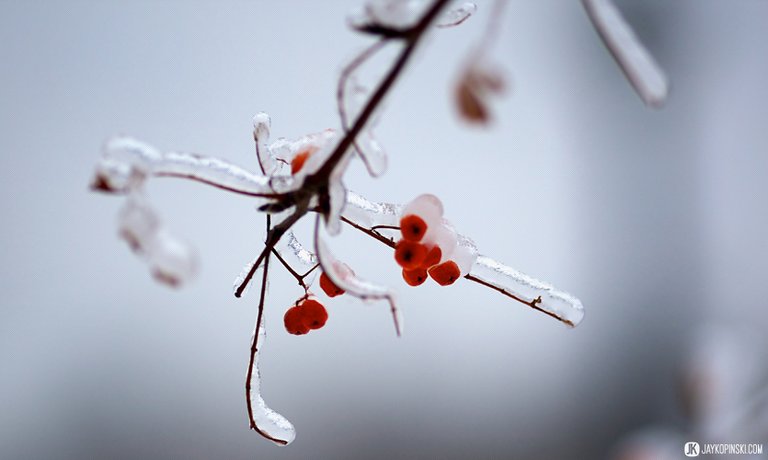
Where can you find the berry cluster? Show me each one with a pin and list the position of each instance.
(309, 313)
(429, 245)
(306, 315)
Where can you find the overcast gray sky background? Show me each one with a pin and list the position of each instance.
(655, 219)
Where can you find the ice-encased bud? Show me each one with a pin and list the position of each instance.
(172, 260)
(138, 224)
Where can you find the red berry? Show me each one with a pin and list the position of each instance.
(413, 227)
(298, 161)
(313, 314)
(433, 257)
(330, 289)
(415, 277)
(445, 273)
(294, 321)
(409, 254)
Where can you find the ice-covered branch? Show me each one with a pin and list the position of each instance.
(364, 215)
(635, 61)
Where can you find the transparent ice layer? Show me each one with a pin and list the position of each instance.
(635, 61)
(269, 423)
(559, 303)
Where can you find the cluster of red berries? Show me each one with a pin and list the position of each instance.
(429, 246)
(309, 313)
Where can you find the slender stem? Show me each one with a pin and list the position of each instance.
(387, 227)
(255, 348)
(299, 278)
(533, 303)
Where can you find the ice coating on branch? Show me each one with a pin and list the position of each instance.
(345, 279)
(635, 61)
(269, 423)
(396, 14)
(368, 213)
(261, 128)
(465, 254)
(456, 15)
(354, 97)
(559, 303)
(171, 260)
(126, 160)
(337, 194)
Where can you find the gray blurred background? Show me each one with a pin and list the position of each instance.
(655, 219)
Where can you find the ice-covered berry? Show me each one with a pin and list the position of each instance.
(298, 161)
(330, 289)
(409, 254)
(415, 277)
(313, 314)
(413, 227)
(445, 273)
(294, 321)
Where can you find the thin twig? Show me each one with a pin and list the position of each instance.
(254, 348)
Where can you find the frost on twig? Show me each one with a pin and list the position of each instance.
(635, 61)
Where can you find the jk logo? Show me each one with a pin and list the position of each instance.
(692, 449)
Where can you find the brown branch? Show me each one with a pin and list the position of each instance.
(292, 271)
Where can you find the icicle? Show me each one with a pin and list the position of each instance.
(269, 423)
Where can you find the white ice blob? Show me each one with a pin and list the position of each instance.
(171, 259)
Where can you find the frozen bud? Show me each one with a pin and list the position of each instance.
(113, 176)
(173, 261)
(137, 224)
(261, 125)
(476, 86)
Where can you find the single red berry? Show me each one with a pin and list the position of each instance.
(415, 277)
(413, 227)
(294, 321)
(433, 257)
(445, 273)
(409, 254)
(298, 161)
(313, 314)
(330, 289)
